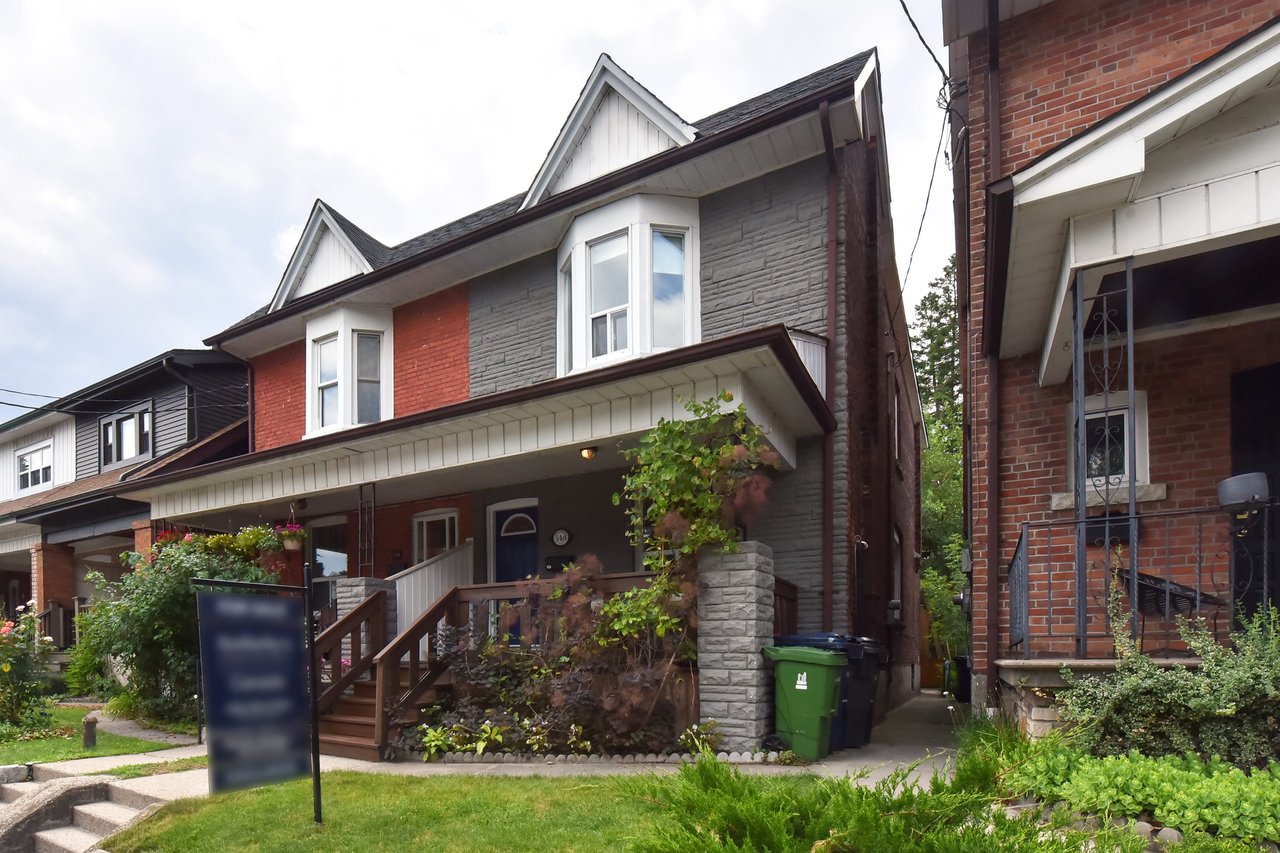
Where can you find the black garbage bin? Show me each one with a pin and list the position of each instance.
(964, 682)
(832, 643)
(867, 658)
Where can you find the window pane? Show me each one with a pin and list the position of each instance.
(108, 443)
(144, 432)
(128, 429)
(620, 330)
(24, 463)
(599, 335)
(327, 361)
(668, 290)
(368, 356)
(609, 274)
(368, 401)
(328, 406)
(567, 272)
(1105, 446)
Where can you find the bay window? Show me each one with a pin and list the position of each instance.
(349, 369)
(628, 282)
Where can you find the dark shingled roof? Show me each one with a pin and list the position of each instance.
(380, 256)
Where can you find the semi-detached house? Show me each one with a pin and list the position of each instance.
(450, 411)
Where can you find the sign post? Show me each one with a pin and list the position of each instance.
(259, 684)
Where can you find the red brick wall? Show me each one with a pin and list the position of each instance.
(54, 575)
(1064, 67)
(393, 540)
(279, 396)
(432, 351)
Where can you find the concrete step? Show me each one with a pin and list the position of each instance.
(118, 793)
(11, 791)
(102, 818)
(65, 839)
(346, 746)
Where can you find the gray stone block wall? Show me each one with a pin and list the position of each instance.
(513, 326)
(350, 592)
(735, 620)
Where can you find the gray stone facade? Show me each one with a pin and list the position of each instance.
(735, 621)
(350, 592)
(513, 326)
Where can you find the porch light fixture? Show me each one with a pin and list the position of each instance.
(588, 452)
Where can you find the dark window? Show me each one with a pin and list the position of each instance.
(126, 436)
(1105, 446)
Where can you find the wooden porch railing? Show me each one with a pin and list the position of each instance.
(365, 628)
(57, 622)
(785, 617)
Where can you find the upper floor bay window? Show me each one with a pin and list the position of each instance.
(628, 282)
(125, 436)
(35, 467)
(349, 368)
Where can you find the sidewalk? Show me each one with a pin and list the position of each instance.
(918, 731)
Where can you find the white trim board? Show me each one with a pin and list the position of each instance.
(320, 224)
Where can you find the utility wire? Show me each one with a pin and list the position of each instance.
(942, 138)
(124, 410)
(946, 78)
(86, 398)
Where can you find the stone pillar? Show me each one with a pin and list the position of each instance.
(53, 575)
(349, 592)
(735, 620)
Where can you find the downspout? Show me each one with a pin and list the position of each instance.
(995, 169)
(829, 437)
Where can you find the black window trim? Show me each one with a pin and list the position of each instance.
(135, 410)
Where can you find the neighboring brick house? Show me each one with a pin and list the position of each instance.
(1117, 221)
(451, 410)
(62, 465)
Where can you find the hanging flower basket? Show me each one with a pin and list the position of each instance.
(291, 535)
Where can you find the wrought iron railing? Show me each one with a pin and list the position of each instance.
(1165, 566)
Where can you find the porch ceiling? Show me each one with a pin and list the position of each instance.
(1189, 168)
(511, 441)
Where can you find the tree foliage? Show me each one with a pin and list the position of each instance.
(935, 350)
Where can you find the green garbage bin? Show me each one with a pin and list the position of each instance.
(806, 683)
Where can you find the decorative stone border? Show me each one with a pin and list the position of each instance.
(1157, 838)
(650, 758)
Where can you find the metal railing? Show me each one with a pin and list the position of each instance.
(1164, 566)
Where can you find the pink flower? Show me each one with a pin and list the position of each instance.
(186, 538)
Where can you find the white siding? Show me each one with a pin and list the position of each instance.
(63, 434)
(330, 263)
(617, 135)
(587, 417)
(418, 587)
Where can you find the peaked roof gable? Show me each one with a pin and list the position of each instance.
(587, 149)
(345, 251)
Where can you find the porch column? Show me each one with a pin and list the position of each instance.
(735, 620)
(142, 539)
(53, 575)
(349, 592)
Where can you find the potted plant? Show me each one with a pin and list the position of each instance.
(291, 535)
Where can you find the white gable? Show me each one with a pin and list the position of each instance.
(615, 122)
(617, 135)
(324, 256)
(330, 263)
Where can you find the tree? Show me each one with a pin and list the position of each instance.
(935, 351)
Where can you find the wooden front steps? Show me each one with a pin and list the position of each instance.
(347, 729)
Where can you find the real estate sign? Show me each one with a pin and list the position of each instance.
(254, 672)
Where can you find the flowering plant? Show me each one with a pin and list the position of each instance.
(22, 653)
(291, 532)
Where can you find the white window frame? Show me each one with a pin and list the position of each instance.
(37, 447)
(638, 217)
(1116, 405)
(344, 325)
(424, 518)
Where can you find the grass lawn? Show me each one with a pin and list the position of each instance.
(62, 748)
(155, 768)
(374, 812)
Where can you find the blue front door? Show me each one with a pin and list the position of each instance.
(515, 543)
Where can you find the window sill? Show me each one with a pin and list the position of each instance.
(1146, 493)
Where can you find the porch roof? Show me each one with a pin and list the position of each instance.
(1188, 168)
(515, 436)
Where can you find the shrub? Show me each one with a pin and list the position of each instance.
(1228, 706)
(22, 653)
(147, 622)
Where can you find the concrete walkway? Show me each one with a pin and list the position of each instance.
(919, 731)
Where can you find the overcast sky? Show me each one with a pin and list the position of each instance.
(158, 160)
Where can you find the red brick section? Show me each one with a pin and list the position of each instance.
(432, 348)
(142, 537)
(53, 575)
(1065, 67)
(279, 396)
